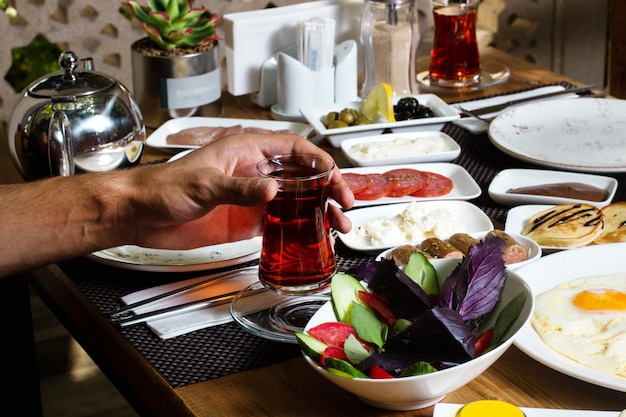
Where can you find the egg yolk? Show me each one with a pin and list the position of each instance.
(600, 299)
(489, 408)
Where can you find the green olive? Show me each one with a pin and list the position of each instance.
(336, 124)
(331, 116)
(347, 116)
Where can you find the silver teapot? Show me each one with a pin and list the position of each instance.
(75, 120)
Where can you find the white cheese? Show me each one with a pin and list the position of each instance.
(414, 224)
(399, 147)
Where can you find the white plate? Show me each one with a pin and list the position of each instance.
(554, 269)
(534, 251)
(443, 113)
(163, 260)
(450, 410)
(472, 217)
(158, 139)
(578, 135)
(392, 145)
(515, 178)
(465, 187)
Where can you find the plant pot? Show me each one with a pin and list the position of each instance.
(167, 87)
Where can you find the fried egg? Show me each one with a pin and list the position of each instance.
(585, 320)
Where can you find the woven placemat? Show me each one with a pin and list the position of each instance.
(222, 350)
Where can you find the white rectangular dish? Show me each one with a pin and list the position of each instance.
(516, 178)
(400, 148)
(464, 188)
(469, 216)
(443, 113)
(450, 410)
(158, 139)
(518, 216)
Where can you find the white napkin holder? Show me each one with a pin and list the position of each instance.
(294, 86)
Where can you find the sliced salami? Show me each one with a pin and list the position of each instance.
(408, 181)
(357, 182)
(381, 184)
(437, 185)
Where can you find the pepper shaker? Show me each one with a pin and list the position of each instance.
(389, 35)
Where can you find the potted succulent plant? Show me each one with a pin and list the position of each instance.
(175, 69)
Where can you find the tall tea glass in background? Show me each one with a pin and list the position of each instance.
(454, 57)
(297, 258)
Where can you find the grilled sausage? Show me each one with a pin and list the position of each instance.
(463, 242)
(513, 252)
(438, 248)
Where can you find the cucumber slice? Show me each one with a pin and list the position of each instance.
(342, 368)
(311, 347)
(344, 290)
(420, 270)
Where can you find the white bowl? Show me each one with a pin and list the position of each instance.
(443, 113)
(394, 149)
(515, 178)
(533, 249)
(422, 391)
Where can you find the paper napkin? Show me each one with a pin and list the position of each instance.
(477, 126)
(182, 323)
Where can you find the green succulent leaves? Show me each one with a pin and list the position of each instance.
(174, 23)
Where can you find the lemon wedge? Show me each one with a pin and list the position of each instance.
(379, 101)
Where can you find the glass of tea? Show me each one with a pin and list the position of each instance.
(297, 256)
(454, 58)
(297, 259)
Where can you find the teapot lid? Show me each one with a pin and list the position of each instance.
(69, 82)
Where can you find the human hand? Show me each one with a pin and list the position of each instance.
(214, 194)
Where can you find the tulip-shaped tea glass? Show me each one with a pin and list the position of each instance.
(297, 257)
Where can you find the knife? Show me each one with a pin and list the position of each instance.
(499, 107)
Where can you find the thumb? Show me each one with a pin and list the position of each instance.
(246, 191)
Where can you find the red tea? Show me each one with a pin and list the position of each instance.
(454, 59)
(297, 254)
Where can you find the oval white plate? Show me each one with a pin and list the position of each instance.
(472, 217)
(443, 113)
(557, 268)
(465, 187)
(514, 178)
(578, 135)
(450, 151)
(165, 260)
(158, 138)
(533, 249)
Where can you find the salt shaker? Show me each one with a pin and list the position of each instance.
(389, 39)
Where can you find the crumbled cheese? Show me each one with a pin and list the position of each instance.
(399, 147)
(414, 224)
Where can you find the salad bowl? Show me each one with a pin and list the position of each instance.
(420, 391)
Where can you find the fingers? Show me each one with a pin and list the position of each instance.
(338, 219)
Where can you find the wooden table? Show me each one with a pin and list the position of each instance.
(290, 387)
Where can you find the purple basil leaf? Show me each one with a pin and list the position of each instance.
(438, 335)
(403, 295)
(486, 273)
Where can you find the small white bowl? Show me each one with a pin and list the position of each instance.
(401, 148)
(516, 178)
(422, 391)
(443, 113)
(533, 249)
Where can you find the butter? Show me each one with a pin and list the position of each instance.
(399, 146)
(489, 408)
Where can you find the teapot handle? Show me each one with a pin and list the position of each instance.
(60, 148)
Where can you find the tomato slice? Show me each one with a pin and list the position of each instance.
(379, 305)
(482, 342)
(376, 372)
(437, 185)
(333, 352)
(381, 185)
(408, 181)
(332, 333)
(357, 182)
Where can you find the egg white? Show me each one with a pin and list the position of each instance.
(595, 338)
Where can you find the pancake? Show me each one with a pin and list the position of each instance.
(614, 224)
(565, 225)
